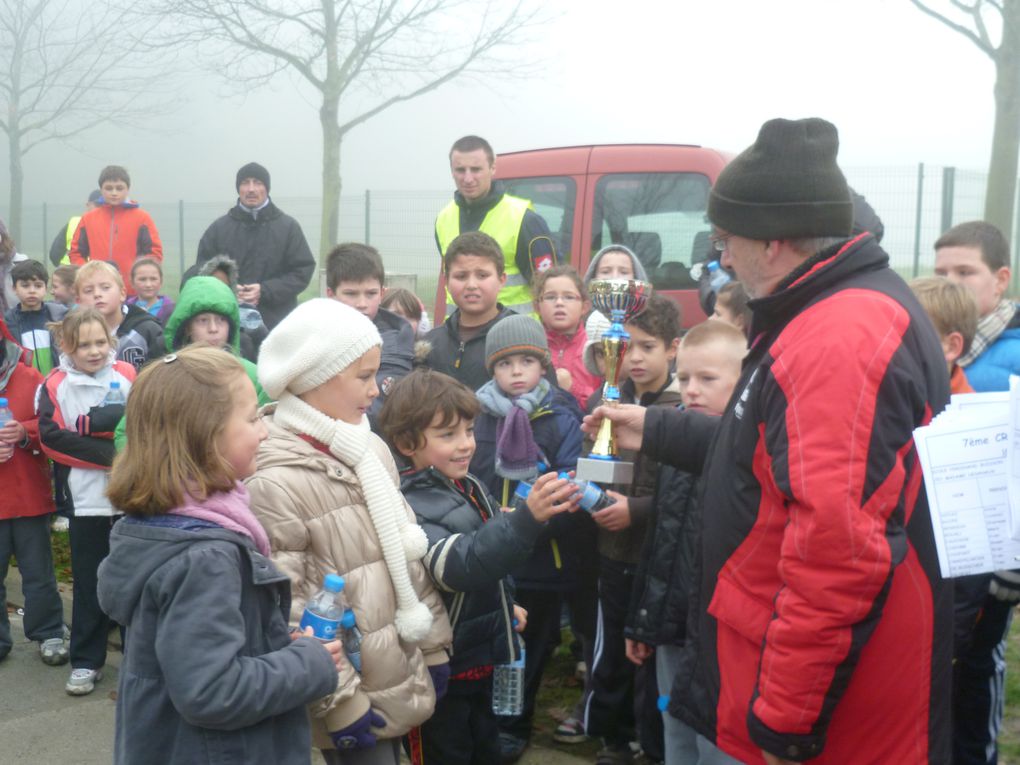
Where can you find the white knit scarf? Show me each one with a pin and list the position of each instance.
(401, 540)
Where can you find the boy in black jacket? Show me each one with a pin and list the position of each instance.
(139, 336)
(707, 369)
(28, 320)
(472, 547)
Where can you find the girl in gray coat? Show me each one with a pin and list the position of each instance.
(210, 673)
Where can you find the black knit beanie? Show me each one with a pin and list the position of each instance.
(253, 170)
(787, 185)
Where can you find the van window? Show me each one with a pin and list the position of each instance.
(553, 198)
(661, 217)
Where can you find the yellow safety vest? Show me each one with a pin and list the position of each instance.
(502, 223)
(72, 226)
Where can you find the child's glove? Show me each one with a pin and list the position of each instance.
(100, 419)
(440, 674)
(358, 735)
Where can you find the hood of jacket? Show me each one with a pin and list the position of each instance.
(133, 316)
(222, 263)
(137, 550)
(640, 274)
(203, 294)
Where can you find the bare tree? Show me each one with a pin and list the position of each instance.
(65, 67)
(976, 18)
(362, 55)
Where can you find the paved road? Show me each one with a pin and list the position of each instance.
(42, 725)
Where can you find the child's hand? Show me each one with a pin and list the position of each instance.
(564, 379)
(335, 647)
(551, 495)
(12, 434)
(638, 652)
(520, 618)
(616, 517)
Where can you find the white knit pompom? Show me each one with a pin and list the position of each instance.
(415, 543)
(414, 622)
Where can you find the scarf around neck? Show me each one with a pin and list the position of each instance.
(400, 539)
(229, 510)
(517, 454)
(988, 330)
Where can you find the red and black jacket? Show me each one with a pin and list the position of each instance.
(821, 630)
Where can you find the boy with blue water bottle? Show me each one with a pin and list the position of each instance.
(472, 548)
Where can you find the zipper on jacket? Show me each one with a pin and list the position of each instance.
(113, 229)
(460, 354)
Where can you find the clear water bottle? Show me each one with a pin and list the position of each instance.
(593, 497)
(523, 488)
(351, 639)
(5, 412)
(115, 395)
(717, 276)
(325, 609)
(250, 318)
(508, 684)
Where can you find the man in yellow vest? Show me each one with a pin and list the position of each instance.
(480, 203)
(62, 243)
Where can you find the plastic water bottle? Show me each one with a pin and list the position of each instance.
(115, 395)
(5, 412)
(508, 684)
(250, 318)
(523, 488)
(593, 497)
(717, 275)
(351, 639)
(325, 609)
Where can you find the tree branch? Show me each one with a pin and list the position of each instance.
(981, 42)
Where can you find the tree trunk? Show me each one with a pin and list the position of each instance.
(331, 184)
(17, 184)
(1002, 169)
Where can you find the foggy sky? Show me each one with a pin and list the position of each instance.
(900, 87)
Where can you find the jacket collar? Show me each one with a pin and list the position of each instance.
(453, 323)
(486, 203)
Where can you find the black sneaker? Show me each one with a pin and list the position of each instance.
(511, 748)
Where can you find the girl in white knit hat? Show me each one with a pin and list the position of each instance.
(326, 492)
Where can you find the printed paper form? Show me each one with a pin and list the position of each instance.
(1014, 457)
(965, 474)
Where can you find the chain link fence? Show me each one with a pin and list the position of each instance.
(916, 204)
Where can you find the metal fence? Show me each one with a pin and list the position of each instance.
(916, 204)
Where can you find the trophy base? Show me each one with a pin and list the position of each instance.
(605, 471)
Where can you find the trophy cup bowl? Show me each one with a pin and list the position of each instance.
(619, 300)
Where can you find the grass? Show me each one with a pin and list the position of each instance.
(560, 691)
(61, 556)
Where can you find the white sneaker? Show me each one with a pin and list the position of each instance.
(53, 651)
(60, 523)
(83, 681)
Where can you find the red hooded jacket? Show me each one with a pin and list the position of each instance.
(116, 233)
(568, 353)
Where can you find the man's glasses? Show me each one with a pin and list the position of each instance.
(719, 243)
(553, 298)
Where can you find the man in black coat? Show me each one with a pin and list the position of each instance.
(272, 255)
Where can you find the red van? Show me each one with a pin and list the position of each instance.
(652, 198)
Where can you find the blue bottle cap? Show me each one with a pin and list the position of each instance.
(3, 403)
(542, 467)
(662, 703)
(713, 266)
(347, 620)
(514, 623)
(333, 582)
(115, 385)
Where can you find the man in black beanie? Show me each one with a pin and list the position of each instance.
(823, 629)
(273, 259)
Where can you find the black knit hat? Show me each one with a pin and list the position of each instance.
(787, 185)
(515, 334)
(252, 170)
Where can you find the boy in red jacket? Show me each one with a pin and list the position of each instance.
(118, 230)
(25, 505)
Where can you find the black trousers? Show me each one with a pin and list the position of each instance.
(463, 730)
(620, 700)
(90, 627)
(541, 637)
(28, 540)
(979, 675)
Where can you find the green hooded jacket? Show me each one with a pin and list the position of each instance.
(204, 294)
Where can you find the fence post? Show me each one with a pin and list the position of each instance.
(948, 195)
(180, 230)
(917, 219)
(368, 216)
(45, 229)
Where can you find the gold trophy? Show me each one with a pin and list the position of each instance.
(619, 300)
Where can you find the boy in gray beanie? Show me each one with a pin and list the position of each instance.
(525, 420)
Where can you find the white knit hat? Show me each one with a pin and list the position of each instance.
(314, 343)
(594, 328)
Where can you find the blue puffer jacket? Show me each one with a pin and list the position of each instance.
(556, 425)
(991, 370)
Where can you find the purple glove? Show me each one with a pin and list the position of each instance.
(440, 674)
(358, 735)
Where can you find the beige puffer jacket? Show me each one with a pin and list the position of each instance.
(312, 507)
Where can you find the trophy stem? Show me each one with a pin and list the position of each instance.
(605, 443)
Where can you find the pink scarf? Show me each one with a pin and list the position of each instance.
(230, 510)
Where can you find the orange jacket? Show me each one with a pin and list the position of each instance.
(118, 234)
(958, 382)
